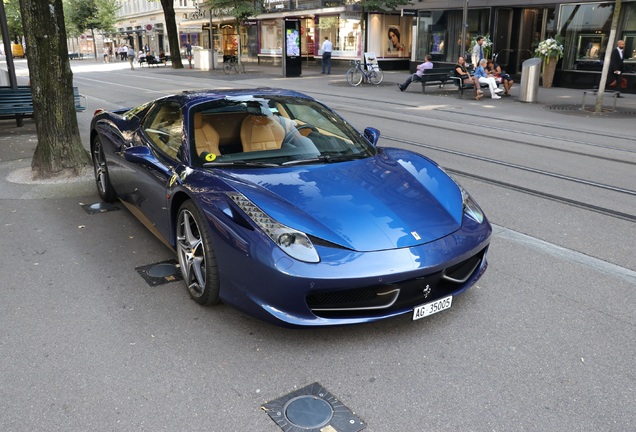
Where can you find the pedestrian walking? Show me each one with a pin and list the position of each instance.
(327, 47)
(131, 57)
(616, 66)
(189, 54)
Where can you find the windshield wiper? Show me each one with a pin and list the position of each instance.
(326, 158)
(240, 163)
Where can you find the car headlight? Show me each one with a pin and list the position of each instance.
(293, 242)
(471, 209)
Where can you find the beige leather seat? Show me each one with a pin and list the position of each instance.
(206, 138)
(261, 133)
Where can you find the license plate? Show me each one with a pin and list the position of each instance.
(432, 307)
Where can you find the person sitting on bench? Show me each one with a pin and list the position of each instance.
(462, 72)
(500, 76)
(486, 78)
(417, 76)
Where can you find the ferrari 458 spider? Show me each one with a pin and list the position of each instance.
(276, 205)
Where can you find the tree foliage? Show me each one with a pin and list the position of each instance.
(14, 19)
(382, 5)
(92, 15)
(239, 9)
(59, 147)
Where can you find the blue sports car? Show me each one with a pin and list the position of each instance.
(276, 205)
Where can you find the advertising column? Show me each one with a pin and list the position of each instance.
(292, 61)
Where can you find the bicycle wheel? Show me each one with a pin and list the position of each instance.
(228, 68)
(376, 76)
(354, 76)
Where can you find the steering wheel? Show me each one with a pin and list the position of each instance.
(307, 127)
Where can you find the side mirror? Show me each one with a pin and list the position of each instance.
(372, 134)
(137, 154)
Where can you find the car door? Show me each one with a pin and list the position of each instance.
(149, 168)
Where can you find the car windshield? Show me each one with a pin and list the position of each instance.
(271, 131)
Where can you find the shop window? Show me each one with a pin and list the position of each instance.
(271, 37)
(439, 33)
(344, 31)
(584, 29)
(392, 35)
(308, 39)
(629, 36)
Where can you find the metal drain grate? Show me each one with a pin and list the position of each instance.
(312, 409)
(575, 109)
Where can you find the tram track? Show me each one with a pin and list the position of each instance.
(515, 166)
(490, 126)
(535, 192)
(560, 199)
(484, 122)
(489, 135)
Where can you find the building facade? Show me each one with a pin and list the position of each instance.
(343, 22)
(516, 28)
(400, 39)
(142, 24)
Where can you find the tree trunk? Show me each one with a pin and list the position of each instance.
(94, 45)
(598, 108)
(59, 149)
(173, 35)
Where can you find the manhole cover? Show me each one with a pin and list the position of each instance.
(162, 270)
(312, 409)
(160, 273)
(308, 412)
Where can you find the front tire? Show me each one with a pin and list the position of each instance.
(196, 256)
(354, 76)
(376, 76)
(102, 179)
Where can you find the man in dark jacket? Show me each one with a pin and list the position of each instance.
(616, 66)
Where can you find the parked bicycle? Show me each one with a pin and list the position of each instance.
(231, 65)
(357, 73)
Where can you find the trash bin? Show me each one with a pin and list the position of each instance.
(530, 73)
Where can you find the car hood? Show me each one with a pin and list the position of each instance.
(394, 200)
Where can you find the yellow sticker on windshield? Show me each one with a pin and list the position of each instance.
(210, 157)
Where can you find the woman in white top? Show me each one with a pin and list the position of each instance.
(485, 78)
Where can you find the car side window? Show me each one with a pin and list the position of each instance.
(164, 127)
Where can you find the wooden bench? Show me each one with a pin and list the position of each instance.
(18, 102)
(435, 76)
(152, 60)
